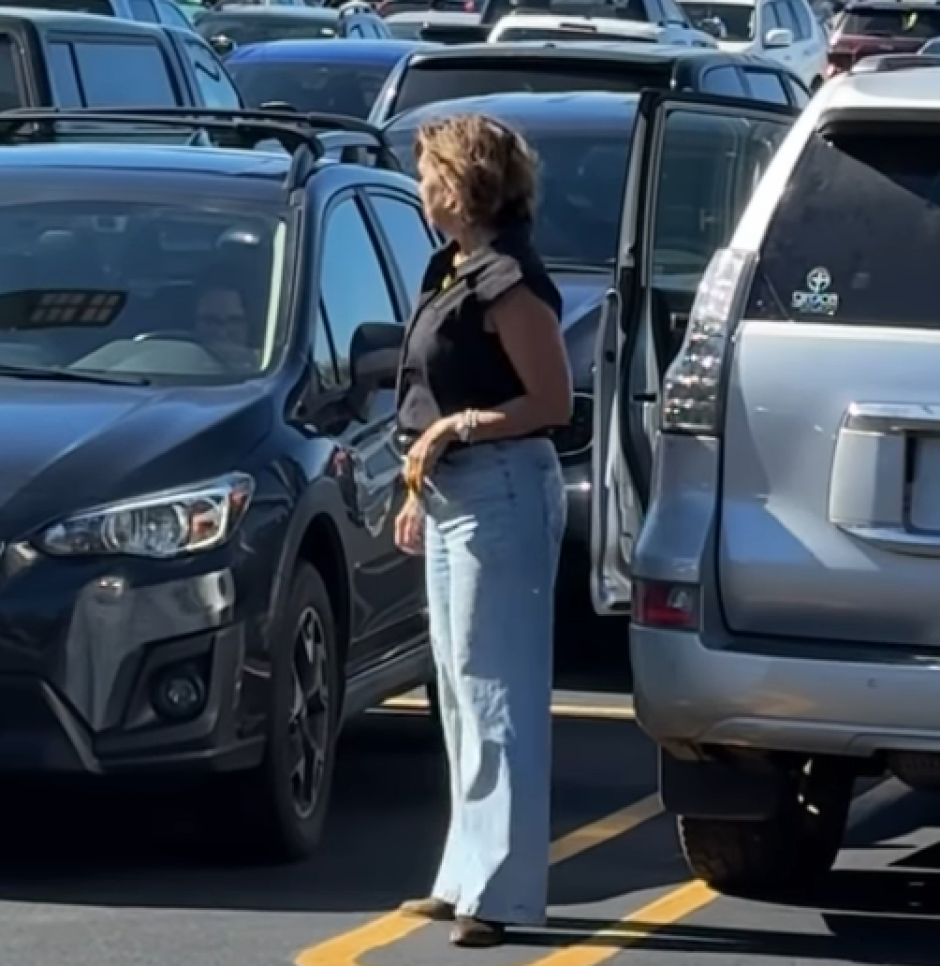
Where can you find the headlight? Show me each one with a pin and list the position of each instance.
(575, 438)
(166, 524)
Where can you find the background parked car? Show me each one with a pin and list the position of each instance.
(317, 75)
(241, 24)
(536, 26)
(869, 27)
(143, 11)
(50, 58)
(785, 31)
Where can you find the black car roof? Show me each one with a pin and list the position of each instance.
(71, 19)
(599, 51)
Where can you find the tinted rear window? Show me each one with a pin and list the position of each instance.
(560, 33)
(421, 86)
(892, 23)
(856, 235)
(330, 88)
(101, 7)
(256, 30)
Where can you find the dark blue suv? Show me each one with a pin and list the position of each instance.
(198, 344)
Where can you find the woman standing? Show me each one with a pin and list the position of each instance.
(484, 377)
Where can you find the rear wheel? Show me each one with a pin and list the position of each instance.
(800, 842)
(283, 804)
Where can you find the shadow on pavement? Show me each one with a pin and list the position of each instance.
(136, 845)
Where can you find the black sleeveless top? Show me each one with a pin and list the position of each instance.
(449, 361)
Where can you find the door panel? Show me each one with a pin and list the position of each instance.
(694, 163)
(830, 520)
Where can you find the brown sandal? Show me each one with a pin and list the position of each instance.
(473, 933)
(430, 908)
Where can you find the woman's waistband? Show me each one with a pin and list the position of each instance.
(404, 439)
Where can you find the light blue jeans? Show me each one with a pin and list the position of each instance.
(495, 517)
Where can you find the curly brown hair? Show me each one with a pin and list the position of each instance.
(489, 168)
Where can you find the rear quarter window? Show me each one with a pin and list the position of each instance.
(854, 239)
(115, 74)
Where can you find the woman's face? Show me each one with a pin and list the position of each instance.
(436, 197)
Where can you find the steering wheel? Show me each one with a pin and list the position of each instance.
(182, 335)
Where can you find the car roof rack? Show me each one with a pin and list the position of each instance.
(297, 133)
(887, 63)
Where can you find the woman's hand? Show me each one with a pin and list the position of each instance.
(426, 451)
(409, 527)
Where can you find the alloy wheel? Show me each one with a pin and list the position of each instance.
(309, 726)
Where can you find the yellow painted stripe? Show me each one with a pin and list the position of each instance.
(616, 712)
(349, 948)
(632, 928)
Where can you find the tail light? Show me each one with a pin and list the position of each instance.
(665, 605)
(691, 387)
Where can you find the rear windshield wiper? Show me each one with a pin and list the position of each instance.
(71, 375)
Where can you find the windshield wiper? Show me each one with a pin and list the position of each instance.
(71, 375)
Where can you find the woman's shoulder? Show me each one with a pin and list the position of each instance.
(503, 271)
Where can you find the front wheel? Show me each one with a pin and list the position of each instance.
(283, 804)
(792, 848)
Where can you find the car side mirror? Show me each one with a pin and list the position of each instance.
(778, 38)
(374, 357)
(222, 45)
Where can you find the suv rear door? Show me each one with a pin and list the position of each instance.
(831, 468)
(695, 161)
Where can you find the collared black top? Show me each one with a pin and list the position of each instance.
(450, 362)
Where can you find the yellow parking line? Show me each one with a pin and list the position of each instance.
(349, 948)
(616, 712)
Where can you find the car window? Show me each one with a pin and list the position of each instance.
(853, 238)
(114, 74)
(766, 86)
(214, 84)
(885, 22)
(674, 13)
(144, 11)
(802, 16)
(801, 96)
(785, 16)
(448, 81)
(247, 29)
(11, 86)
(770, 20)
(171, 15)
(725, 81)
(710, 164)
(727, 21)
(63, 76)
(404, 226)
(337, 88)
(84, 274)
(353, 287)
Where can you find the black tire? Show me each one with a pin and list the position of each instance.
(284, 803)
(918, 770)
(790, 850)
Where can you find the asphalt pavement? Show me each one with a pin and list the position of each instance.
(118, 878)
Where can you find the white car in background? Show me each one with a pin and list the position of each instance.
(786, 31)
(537, 26)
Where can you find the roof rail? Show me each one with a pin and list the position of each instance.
(295, 132)
(887, 63)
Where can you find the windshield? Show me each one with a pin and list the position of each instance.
(349, 89)
(921, 24)
(729, 21)
(181, 294)
(582, 174)
(256, 30)
(421, 86)
(560, 33)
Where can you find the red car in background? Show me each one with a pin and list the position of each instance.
(869, 27)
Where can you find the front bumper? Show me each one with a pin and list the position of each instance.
(83, 645)
(689, 694)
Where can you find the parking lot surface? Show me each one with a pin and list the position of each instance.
(119, 878)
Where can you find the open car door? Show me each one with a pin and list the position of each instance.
(694, 163)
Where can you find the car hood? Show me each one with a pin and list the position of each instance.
(582, 297)
(71, 446)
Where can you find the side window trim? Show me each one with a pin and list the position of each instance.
(396, 284)
(748, 72)
(20, 73)
(382, 251)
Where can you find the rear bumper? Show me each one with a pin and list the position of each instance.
(689, 694)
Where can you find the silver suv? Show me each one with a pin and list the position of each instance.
(786, 580)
